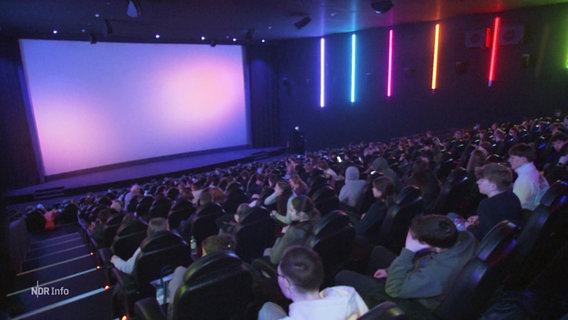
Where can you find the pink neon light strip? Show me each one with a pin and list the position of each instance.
(494, 51)
(389, 79)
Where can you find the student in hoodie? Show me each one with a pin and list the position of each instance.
(352, 190)
(300, 275)
(434, 253)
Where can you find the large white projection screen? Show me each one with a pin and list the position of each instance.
(109, 103)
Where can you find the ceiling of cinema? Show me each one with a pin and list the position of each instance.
(225, 21)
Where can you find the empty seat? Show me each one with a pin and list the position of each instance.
(325, 200)
(333, 238)
(456, 194)
(254, 234)
(180, 211)
(408, 204)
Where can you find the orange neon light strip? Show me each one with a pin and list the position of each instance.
(435, 62)
(494, 51)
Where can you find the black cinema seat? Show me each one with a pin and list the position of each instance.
(333, 238)
(217, 286)
(160, 254)
(254, 234)
(408, 204)
(480, 278)
(387, 310)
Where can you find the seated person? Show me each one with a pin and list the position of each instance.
(304, 215)
(352, 191)
(154, 225)
(494, 181)
(530, 185)
(281, 198)
(229, 223)
(558, 170)
(434, 253)
(367, 229)
(300, 275)
(210, 244)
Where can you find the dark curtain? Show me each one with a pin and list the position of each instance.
(18, 164)
(263, 97)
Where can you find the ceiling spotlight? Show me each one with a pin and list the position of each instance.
(134, 9)
(303, 22)
(202, 38)
(157, 36)
(382, 6)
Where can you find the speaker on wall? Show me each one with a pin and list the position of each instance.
(475, 38)
(511, 35)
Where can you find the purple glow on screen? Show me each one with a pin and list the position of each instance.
(109, 103)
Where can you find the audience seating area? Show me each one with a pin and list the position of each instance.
(75, 255)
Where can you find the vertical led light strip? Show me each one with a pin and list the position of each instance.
(435, 62)
(494, 51)
(389, 76)
(322, 72)
(353, 47)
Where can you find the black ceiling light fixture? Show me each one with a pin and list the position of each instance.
(303, 22)
(134, 9)
(381, 6)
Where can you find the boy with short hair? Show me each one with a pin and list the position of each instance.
(530, 185)
(494, 180)
(300, 275)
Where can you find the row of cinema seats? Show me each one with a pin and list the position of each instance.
(524, 254)
(509, 260)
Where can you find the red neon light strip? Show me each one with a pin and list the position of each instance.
(494, 51)
(487, 37)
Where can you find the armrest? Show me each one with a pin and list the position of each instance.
(265, 268)
(126, 282)
(149, 309)
(105, 254)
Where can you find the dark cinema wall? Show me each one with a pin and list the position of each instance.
(530, 80)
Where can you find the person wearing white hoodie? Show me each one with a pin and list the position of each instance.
(300, 275)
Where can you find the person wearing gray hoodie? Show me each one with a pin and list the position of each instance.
(352, 191)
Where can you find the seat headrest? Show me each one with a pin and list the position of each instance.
(159, 240)
(497, 240)
(335, 218)
(457, 176)
(255, 214)
(408, 195)
(555, 196)
(213, 263)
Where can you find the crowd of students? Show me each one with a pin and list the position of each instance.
(512, 164)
